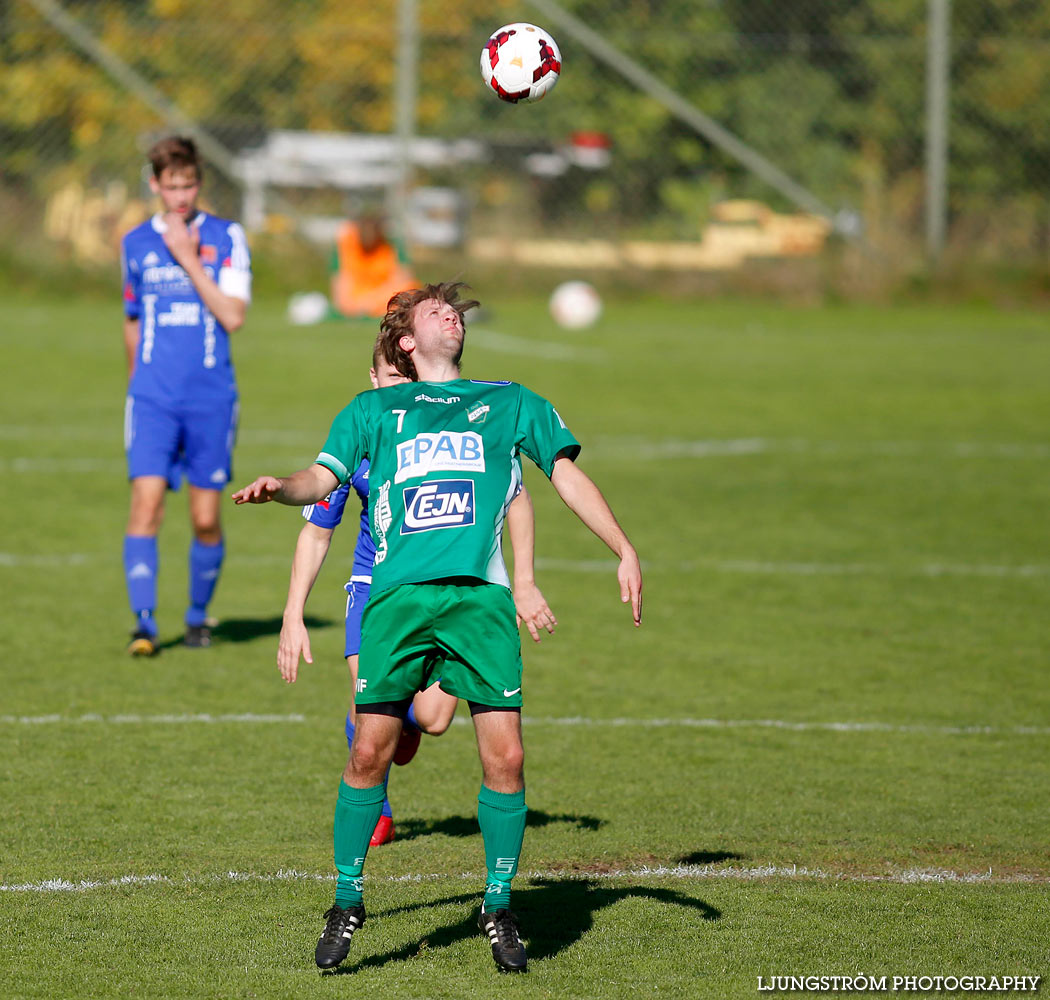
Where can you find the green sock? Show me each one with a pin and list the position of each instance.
(356, 814)
(502, 821)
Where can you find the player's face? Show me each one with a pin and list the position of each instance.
(177, 190)
(437, 330)
(386, 374)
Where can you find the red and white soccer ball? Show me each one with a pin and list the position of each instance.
(520, 62)
(575, 305)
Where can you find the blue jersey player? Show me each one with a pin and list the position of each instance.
(432, 710)
(187, 285)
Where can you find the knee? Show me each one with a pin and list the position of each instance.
(514, 760)
(367, 756)
(207, 531)
(505, 763)
(145, 519)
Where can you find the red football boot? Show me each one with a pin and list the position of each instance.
(407, 744)
(383, 833)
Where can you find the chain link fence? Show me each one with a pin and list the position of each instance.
(684, 135)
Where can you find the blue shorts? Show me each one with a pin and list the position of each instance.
(356, 599)
(197, 443)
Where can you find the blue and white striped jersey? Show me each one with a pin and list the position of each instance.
(184, 352)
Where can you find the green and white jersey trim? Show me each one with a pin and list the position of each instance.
(496, 569)
(333, 464)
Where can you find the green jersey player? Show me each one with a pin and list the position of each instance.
(445, 463)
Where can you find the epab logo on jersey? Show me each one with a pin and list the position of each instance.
(444, 503)
(445, 451)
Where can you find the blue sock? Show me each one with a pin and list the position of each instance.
(205, 565)
(140, 574)
(387, 811)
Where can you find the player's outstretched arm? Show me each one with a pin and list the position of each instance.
(302, 487)
(310, 551)
(585, 500)
(529, 603)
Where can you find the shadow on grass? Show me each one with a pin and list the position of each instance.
(558, 912)
(246, 629)
(554, 915)
(467, 826)
(710, 857)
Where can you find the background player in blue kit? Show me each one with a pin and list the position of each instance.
(187, 285)
(432, 710)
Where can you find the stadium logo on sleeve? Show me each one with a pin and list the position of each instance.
(447, 451)
(446, 503)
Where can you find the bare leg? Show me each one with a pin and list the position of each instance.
(501, 751)
(375, 738)
(351, 663)
(204, 515)
(434, 709)
(147, 505)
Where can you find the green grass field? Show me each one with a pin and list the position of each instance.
(825, 752)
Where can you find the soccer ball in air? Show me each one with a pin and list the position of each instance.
(575, 304)
(520, 62)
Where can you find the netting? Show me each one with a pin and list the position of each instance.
(302, 101)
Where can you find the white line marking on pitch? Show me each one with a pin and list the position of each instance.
(798, 727)
(196, 718)
(550, 350)
(618, 446)
(640, 448)
(204, 718)
(733, 873)
(48, 465)
(27, 560)
(765, 568)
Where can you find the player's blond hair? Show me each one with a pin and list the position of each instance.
(397, 322)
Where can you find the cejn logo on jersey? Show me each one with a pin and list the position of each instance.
(445, 503)
(447, 451)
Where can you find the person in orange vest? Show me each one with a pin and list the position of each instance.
(368, 269)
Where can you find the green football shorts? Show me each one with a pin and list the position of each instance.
(461, 631)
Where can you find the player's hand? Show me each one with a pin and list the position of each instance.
(531, 608)
(263, 490)
(183, 241)
(629, 573)
(294, 641)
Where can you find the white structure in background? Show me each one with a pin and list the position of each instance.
(356, 163)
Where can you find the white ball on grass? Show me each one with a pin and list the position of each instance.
(307, 308)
